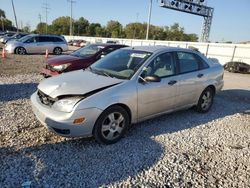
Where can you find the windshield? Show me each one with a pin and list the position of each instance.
(121, 64)
(87, 51)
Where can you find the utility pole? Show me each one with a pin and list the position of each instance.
(14, 15)
(46, 8)
(149, 18)
(71, 13)
(40, 21)
(40, 18)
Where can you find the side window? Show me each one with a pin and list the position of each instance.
(162, 66)
(187, 62)
(56, 39)
(203, 64)
(31, 40)
(42, 39)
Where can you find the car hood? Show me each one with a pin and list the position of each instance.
(63, 59)
(75, 83)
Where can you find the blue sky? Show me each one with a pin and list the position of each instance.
(231, 18)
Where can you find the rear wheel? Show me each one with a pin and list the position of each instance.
(111, 125)
(20, 51)
(57, 51)
(205, 100)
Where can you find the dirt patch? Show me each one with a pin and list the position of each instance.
(21, 64)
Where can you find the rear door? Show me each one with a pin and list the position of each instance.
(191, 78)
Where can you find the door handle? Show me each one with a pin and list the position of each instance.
(200, 75)
(172, 82)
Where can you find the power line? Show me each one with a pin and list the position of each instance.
(71, 13)
(46, 9)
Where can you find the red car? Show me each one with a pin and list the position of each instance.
(79, 59)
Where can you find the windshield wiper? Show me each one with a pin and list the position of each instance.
(106, 74)
(98, 72)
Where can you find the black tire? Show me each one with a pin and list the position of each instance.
(20, 51)
(105, 130)
(205, 101)
(232, 69)
(57, 51)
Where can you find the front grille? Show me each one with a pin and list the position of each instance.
(45, 99)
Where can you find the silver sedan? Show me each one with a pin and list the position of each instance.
(125, 87)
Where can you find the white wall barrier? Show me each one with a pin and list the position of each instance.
(223, 52)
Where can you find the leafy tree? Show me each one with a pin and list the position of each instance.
(99, 31)
(5, 23)
(135, 30)
(81, 26)
(113, 29)
(92, 29)
(157, 33)
(60, 25)
(2, 13)
(26, 29)
(40, 28)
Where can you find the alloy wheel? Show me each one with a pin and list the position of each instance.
(112, 126)
(206, 100)
(21, 51)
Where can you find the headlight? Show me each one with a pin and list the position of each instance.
(60, 67)
(67, 104)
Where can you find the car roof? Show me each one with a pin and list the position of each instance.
(156, 49)
(33, 35)
(108, 44)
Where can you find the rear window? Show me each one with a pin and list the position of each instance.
(187, 62)
(57, 39)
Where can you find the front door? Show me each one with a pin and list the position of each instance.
(158, 97)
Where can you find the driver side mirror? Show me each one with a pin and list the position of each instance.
(152, 78)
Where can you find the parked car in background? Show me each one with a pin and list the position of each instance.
(77, 43)
(79, 59)
(7, 34)
(14, 37)
(2, 34)
(84, 43)
(112, 42)
(70, 42)
(35, 43)
(80, 43)
(125, 87)
(237, 67)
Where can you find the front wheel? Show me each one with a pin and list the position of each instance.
(20, 51)
(111, 125)
(205, 100)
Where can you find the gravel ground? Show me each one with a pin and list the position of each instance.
(183, 149)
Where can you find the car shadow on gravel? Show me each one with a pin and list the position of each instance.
(11, 92)
(85, 163)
